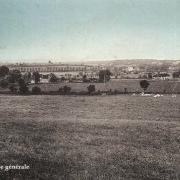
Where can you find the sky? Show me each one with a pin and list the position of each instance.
(80, 30)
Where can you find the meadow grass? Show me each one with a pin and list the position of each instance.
(91, 137)
(131, 85)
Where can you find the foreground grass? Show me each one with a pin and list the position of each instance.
(109, 137)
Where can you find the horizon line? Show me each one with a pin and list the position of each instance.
(54, 61)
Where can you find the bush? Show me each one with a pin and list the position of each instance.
(23, 89)
(4, 83)
(36, 90)
(144, 84)
(65, 90)
(21, 82)
(61, 91)
(53, 78)
(91, 88)
(125, 90)
(12, 88)
(115, 91)
(63, 79)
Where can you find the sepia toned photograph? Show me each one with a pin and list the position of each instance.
(89, 89)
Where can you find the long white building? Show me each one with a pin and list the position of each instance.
(50, 68)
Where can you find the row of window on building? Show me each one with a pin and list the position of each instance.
(50, 69)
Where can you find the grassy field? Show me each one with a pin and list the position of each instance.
(132, 85)
(90, 137)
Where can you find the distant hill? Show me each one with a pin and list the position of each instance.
(135, 62)
(121, 62)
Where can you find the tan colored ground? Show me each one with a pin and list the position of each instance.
(91, 137)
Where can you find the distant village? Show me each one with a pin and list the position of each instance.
(89, 72)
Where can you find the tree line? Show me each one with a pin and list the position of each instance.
(16, 82)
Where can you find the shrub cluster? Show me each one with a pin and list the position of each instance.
(23, 89)
(36, 90)
(4, 83)
(65, 90)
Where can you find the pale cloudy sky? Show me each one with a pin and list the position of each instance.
(70, 30)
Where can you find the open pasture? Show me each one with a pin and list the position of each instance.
(90, 137)
(132, 85)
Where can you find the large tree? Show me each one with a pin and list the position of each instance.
(176, 74)
(53, 78)
(4, 71)
(36, 76)
(84, 78)
(14, 76)
(27, 77)
(22, 86)
(104, 75)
